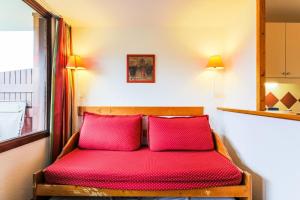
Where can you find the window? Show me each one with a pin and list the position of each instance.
(24, 74)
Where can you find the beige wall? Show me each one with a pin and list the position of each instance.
(18, 165)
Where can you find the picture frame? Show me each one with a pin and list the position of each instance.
(140, 68)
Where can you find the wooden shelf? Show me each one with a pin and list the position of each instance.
(263, 113)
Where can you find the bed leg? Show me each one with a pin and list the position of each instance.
(247, 181)
(246, 198)
(38, 177)
(40, 198)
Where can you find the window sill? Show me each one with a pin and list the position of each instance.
(288, 116)
(16, 142)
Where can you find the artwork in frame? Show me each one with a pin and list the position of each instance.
(140, 68)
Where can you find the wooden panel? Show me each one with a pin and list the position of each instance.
(70, 146)
(275, 50)
(260, 54)
(220, 147)
(71, 190)
(292, 50)
(263, 113)
(167, 111)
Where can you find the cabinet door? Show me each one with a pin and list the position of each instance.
(293, 50)
(275, 49)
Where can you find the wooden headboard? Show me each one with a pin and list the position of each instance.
(167, 111)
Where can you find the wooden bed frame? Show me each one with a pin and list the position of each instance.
(42, 190)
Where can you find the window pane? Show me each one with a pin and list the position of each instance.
(23, 70)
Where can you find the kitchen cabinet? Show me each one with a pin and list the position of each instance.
(275, 49)
(282, 50)
(293, 50)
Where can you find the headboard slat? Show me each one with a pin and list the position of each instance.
(167, 111)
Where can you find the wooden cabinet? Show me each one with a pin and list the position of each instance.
(283, 50)
(275, 50)
(293, 50)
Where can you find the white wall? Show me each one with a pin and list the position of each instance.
(180, 75)
(266, 147)
(18, 165)
(269, 149)
(182, 42)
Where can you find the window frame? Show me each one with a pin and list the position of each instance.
(260, 54)
(22, 140)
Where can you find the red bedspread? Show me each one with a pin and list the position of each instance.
(143, 170)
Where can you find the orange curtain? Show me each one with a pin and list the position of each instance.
(63, 93)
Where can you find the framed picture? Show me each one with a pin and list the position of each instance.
(140, 68)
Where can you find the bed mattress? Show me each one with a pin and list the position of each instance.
(143, 170)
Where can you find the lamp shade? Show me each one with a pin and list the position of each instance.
(75, 62)
(215, 62)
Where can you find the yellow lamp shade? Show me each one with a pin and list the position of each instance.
(215, 62)
(75, 62)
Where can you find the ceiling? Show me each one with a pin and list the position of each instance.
(283, 10)
(114, 13)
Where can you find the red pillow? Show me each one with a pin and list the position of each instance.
(180, 133)
(116, 133)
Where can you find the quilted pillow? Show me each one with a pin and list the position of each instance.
(116, 133)
(180, 133)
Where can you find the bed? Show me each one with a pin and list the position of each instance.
(105, 174)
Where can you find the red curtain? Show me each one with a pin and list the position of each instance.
(62, 88)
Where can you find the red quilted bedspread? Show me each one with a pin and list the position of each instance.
(143, 170)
